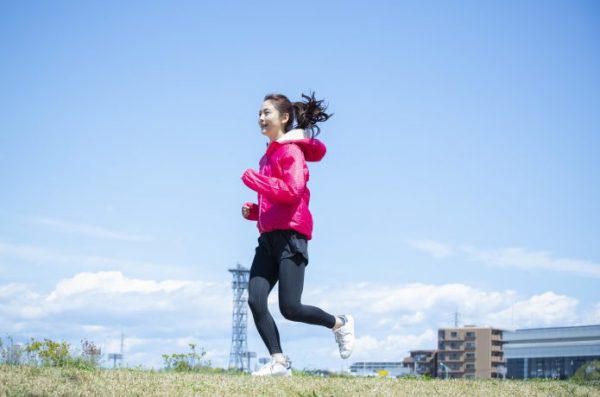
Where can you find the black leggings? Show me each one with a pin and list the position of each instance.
(276, 261)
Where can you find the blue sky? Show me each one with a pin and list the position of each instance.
(462, 170)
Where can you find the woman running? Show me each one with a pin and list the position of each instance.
(285, 224)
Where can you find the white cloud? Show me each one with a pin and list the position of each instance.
(393, 347)
(546, 309)
(110, 283)
(163, 316)
(157, 316)
(96, 298)
(88, 230)
(397, 323)
(410, 307)
(382, 299)
(434, 248)
(410, 319)
(512, 257)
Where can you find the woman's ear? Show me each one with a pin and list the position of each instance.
(285, 118)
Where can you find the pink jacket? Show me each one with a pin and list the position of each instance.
(283, 196)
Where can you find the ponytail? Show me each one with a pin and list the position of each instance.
(309, 113)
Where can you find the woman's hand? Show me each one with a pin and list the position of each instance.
(245, 211)
(250, 211)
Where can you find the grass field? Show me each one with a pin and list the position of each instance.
(48, 381)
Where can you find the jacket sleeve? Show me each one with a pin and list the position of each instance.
(290, 188)
(253, 216)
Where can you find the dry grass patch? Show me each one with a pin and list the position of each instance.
(35, 381)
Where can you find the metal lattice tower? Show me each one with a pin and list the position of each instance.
(239, 357)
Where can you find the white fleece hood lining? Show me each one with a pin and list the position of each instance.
(294, 135)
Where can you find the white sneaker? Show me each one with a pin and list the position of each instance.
(344, 336)
(274, 368)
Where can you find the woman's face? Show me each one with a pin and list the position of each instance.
(270, 121)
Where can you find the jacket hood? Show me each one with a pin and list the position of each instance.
(313, 149)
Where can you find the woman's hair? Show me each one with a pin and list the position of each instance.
(305, 113)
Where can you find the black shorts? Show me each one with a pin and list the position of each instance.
(282, 244)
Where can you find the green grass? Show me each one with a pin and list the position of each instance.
(52, 381)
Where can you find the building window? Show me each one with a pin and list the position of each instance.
(453, 334)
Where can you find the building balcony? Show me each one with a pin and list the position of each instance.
(448, 341)
(448, 349)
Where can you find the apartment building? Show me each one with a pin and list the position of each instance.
(422, 362)
(470, 352)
